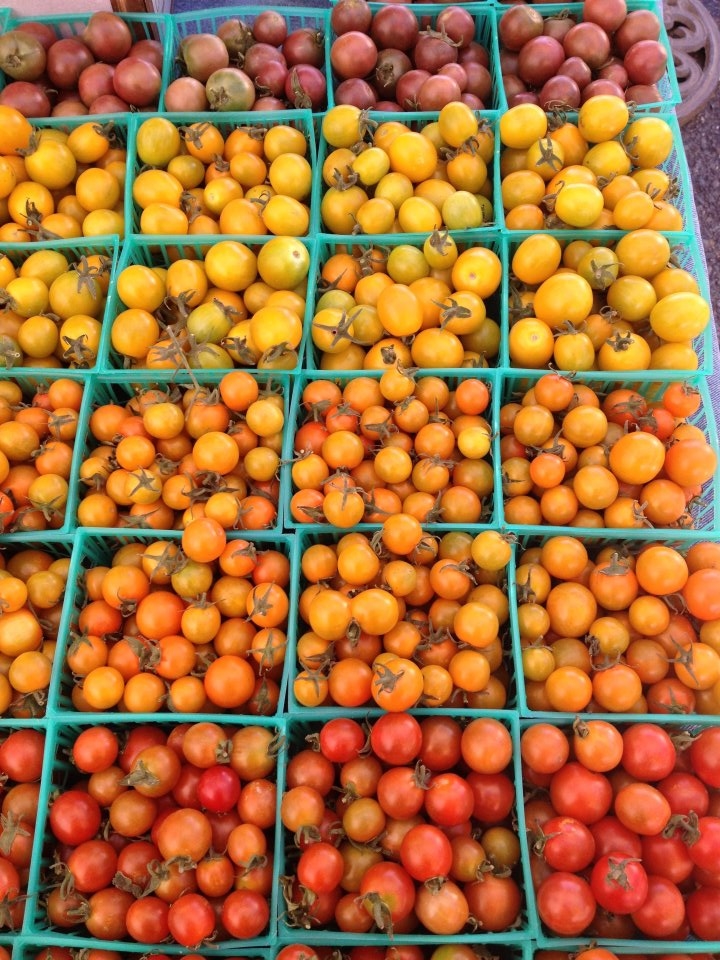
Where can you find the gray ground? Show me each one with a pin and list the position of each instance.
(701, 138)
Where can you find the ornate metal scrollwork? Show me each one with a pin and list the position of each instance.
(695, 42)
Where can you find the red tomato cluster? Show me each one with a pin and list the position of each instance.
(21, 760)
(456, 950)
(600, 631)
(169, 457)
(137, 829)
(106, 65)
(573, 456)
(419, 836)
(392, 60)
(55, 952)
(158, 631)
(626, 843)
(389, 444)
(36, 449)
(403, 620)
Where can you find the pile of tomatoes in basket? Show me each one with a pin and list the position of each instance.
(425, 810)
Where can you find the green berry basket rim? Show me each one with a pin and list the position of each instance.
(685, 241)
(485, 26)
(674, 96)
(488, 374)
(308, 535)
(65, 532)
(711, 491)
(681, 539)
(89, 539)
(420, 117)
(328, 242)
(159, 244)
(56, 733)
(303, 119)
(509, 719)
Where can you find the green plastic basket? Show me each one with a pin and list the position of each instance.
(296, 418)
(143, 26)
(59, 773)
(427, 13)
(297, 730)
(331, 536)
(73, 250)
(9, 937)
(120, 387)
(161, 251)
(59, 548)
(29, 381)
(594, 540)
(119, 131)
(642, 943)
(96, 548)
(675, 166)
(420, 3)
(208, 21)
(513, 951)
(36, 948)
(705, 512)
(668, 84)
(686, 253)
(226, 123)
(416, 121)
(328, 245)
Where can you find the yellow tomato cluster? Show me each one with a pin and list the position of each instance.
(251, 182)
(404, 180)
(420, 306)
(232, 307)
(58, 184)
(598, 173)
(52, 309)
(588, 307)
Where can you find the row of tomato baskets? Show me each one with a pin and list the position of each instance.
(354, 53)
(305, 161)
(429, 829)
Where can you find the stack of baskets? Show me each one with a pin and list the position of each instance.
(109, 381)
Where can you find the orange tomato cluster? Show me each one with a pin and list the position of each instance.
(422, 306)
(600, 631)
(159, 628)
(599, 172)
(36, 450)
(572, 457)
(53, 306)
(403, 619)
(62, 184)
(168, 457)
(393, 180)
(32, 587)
(382, 446)
(234, 305)
(617, 307)
(253, 181)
